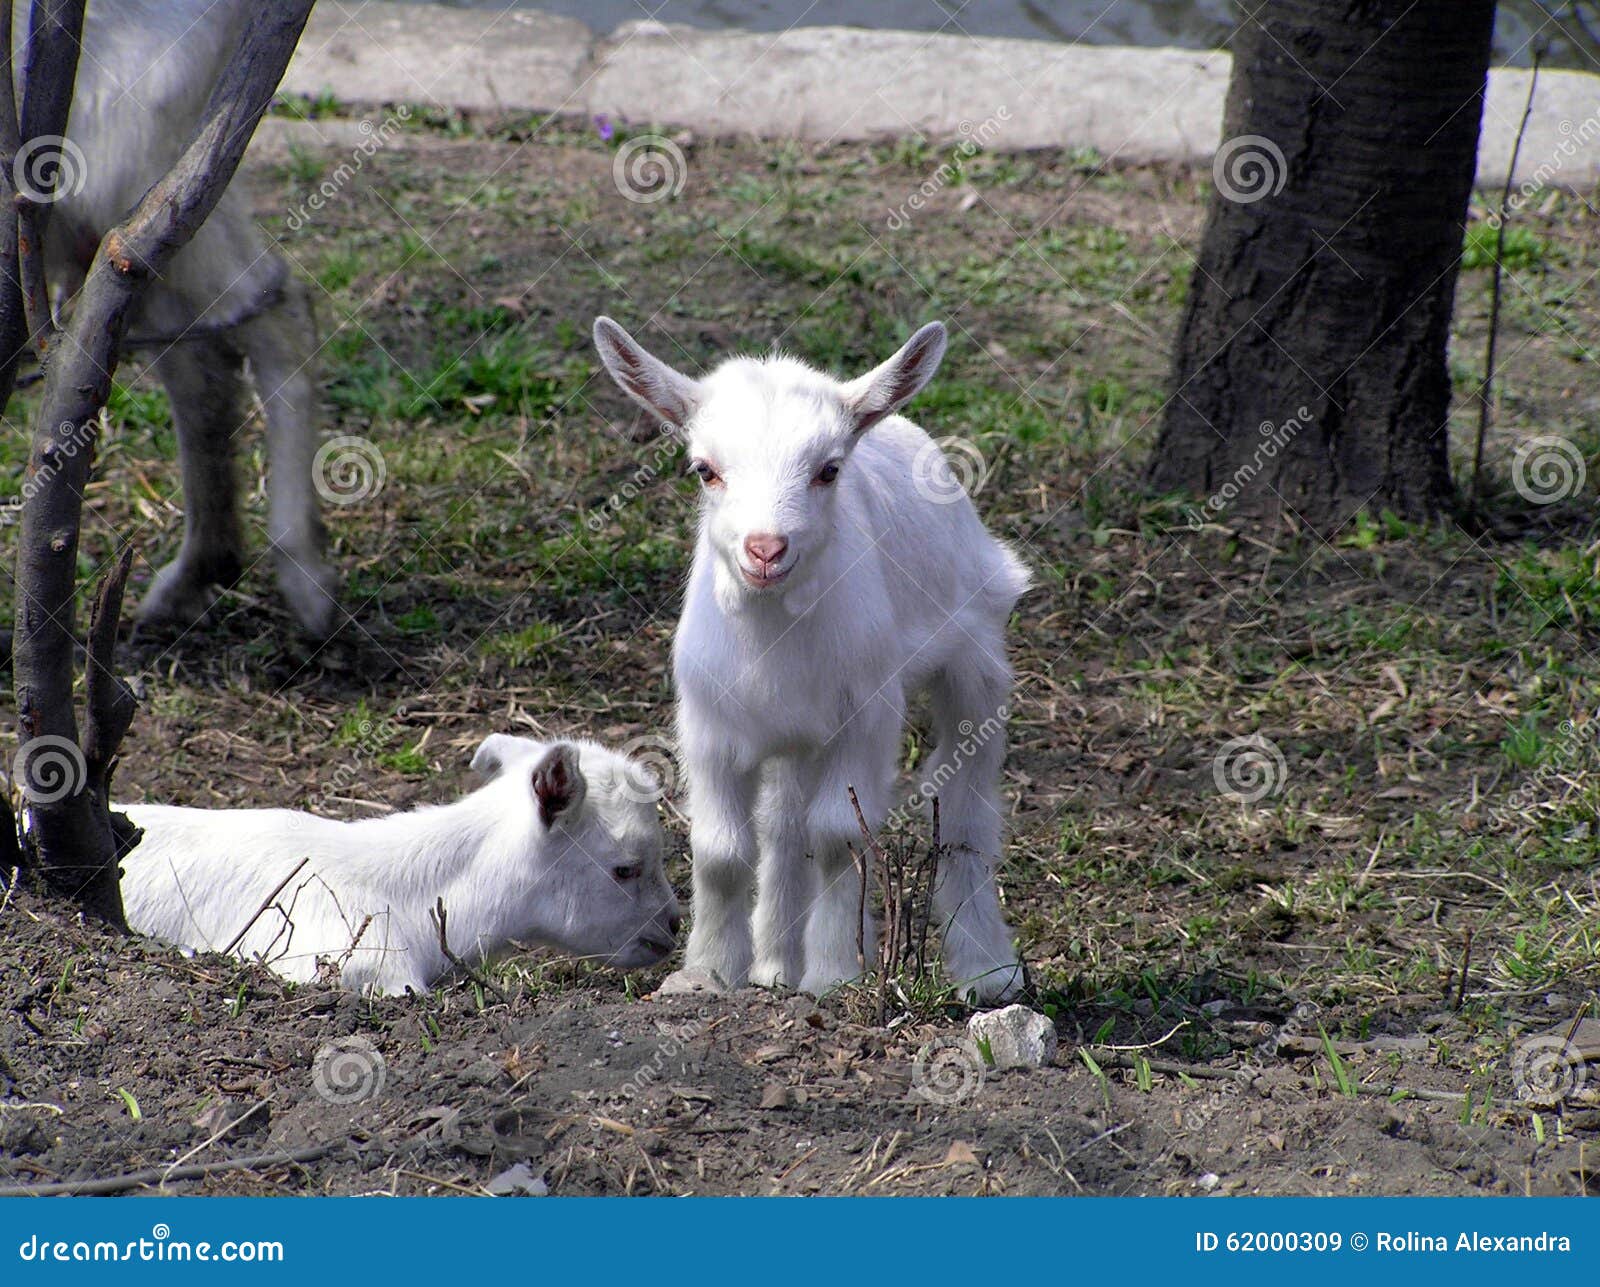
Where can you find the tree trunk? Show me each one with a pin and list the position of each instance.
(74, 841)
(13, 331)
(1311, 377)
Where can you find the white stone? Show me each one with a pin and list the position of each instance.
(1016, 1037)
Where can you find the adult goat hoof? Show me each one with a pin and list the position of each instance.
(310, 588)
(177, 598)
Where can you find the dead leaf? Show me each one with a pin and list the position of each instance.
(961, 1154)
(768, 1053)
(776, 1095)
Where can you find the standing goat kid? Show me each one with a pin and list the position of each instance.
(828, 586)
(561, 847)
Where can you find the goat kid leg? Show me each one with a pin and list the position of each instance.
(722, 840)
(785, 881)
(970, 749)
(867, 764)
(204, 384)
(280, 343)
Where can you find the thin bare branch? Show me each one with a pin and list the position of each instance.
(440, 920)
(265, 903)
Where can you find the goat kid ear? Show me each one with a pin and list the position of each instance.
(645, 378)
(558, 784)
(885, 389)
(492, 754)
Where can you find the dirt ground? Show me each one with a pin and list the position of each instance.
(752, 1094)
(1334, 986)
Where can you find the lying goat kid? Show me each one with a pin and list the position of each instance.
(839, 569)
(561, 847)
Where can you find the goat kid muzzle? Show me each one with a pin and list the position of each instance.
(762, 567)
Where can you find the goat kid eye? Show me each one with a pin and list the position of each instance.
(625, 873)
(827, 474)
(705, 473)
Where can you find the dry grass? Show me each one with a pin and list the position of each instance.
(521, 567)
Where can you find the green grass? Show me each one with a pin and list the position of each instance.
(522, 647)
(1522, 251)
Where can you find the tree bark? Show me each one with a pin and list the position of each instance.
(13, 332)
(55, 36)
(1311, 378)
(73, 842)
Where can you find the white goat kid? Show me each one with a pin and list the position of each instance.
(146, 71)
(827, 588)
(562, 847)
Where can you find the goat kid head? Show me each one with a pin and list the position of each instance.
(598, 886)
(770, 439)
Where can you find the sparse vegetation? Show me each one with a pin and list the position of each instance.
(1412, 679)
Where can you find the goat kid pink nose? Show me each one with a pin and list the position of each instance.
(764, 547)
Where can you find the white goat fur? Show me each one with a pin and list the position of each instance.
(561, 847)
(146, 70)
(793, 676)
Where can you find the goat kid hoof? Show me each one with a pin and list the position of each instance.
(772, 977)
(683, 983)
(820, 985)
(995, 987)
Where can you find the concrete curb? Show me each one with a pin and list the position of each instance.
(838, 84)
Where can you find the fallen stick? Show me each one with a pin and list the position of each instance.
(164, 1175)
